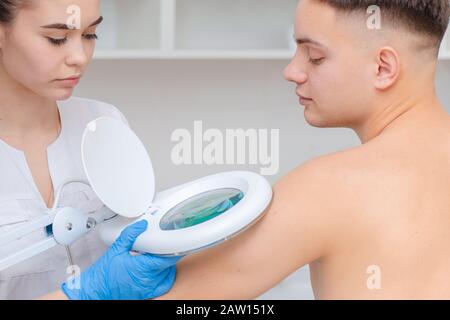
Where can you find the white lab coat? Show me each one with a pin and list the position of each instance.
(20, 201)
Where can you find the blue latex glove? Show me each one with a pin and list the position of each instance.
(119, 275)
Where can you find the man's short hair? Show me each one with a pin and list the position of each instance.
(427, 17)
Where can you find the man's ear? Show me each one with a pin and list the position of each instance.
(387, 68)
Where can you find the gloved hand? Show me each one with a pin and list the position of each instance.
(120, 275)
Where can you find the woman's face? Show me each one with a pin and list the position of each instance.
(37, 51)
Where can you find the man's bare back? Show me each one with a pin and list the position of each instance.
(395, 217)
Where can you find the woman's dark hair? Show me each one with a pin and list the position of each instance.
(428, 17)
(8, 9)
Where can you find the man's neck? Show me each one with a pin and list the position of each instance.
(410, 110)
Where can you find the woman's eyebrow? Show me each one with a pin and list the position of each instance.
(66, 27)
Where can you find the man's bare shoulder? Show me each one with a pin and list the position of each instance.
(316, 200)
(323, 186)
(328, 192)
(335, 170)
(331, 185)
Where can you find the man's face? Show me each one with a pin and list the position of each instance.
(38, 57)
(333, 66)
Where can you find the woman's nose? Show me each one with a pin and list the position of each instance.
(77, 55)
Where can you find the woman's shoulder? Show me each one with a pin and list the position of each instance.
(89, 109)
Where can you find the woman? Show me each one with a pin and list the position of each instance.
(42, 58)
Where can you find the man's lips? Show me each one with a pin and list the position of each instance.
(303, 97)
(303, 100)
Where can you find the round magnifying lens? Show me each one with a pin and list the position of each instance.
(200, 208)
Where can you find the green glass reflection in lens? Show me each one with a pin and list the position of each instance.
(201, 208)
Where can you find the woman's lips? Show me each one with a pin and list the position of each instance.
(69, 82)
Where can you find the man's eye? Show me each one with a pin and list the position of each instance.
(57, 42)
(316, 61)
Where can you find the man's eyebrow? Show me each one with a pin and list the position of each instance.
(66, 27)
(300, 41)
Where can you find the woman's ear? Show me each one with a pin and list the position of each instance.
(387, 68)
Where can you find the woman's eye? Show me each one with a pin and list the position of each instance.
(60, 42)
(92, 36)
(57, 42)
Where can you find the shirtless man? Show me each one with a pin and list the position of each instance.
(373, 222)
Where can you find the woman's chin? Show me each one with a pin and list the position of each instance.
(62, 94)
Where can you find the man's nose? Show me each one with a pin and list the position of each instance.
(295, 73)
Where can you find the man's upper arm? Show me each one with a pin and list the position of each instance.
(293, 232)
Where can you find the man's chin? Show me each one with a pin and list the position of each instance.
(316, 121)
(312, 119)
